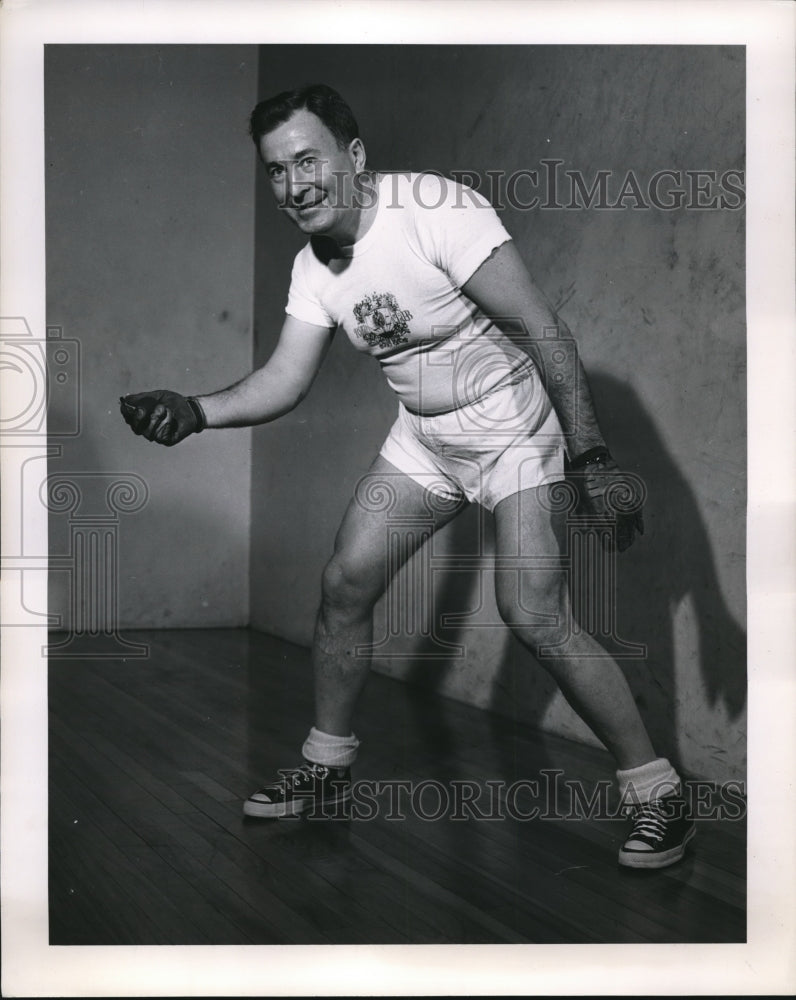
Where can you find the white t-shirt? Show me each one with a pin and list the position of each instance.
(397, 293)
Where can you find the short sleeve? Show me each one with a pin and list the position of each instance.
(302, 303)
(456, 226)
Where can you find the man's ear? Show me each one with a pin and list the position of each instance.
(357, 151)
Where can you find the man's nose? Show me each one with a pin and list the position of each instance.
(298, 184)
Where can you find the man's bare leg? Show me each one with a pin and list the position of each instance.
(369, 550)
(589, 678)
(353, 581)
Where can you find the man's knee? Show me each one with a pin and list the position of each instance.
(535, 610)
(348, 587)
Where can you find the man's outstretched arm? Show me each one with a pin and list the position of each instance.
(268, 392)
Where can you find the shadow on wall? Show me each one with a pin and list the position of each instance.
(684, 692)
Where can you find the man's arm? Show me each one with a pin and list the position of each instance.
(503, 289)
(268, 392)
(277, 387)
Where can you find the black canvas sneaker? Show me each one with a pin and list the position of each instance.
(313, 787)
(659, 833)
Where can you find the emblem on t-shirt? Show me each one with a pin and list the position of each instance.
(381, 322)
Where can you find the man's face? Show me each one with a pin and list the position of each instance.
(312, 177)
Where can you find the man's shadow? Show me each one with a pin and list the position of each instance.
(670, 566)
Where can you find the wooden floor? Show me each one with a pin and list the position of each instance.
(151, 758)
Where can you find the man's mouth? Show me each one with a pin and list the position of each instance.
(305, 206)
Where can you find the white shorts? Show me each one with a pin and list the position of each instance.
(508, 441)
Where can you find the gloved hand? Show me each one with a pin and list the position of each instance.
(605, 492)
(163, 416)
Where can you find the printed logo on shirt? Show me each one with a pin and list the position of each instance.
(381, 322)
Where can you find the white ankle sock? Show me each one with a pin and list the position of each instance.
(333, 751)
(649, 781)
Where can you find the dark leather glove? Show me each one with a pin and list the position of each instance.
(163, 416)
(605, 492)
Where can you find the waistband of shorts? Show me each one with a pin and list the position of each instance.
(518, 378)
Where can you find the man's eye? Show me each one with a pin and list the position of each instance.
(275, 172)
(308, 161)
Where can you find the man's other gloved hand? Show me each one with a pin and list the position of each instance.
(163, 416)
(605, 491)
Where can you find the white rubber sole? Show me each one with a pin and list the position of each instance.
(273, 810)
(654, 859)
(276, 810)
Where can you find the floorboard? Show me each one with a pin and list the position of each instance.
(150, 760)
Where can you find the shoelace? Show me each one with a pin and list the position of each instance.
(649, 822)
(293, 776)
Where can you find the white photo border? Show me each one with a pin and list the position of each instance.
(765, 964)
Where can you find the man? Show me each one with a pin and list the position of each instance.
(420, 273)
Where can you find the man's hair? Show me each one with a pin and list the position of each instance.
(321, 100)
